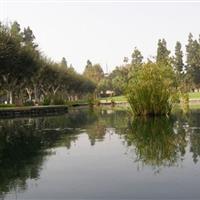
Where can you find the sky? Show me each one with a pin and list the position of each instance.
(103, 31)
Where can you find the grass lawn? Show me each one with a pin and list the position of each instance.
(115, 98)
(192, 95)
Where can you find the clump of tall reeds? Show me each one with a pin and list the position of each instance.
(151, 90)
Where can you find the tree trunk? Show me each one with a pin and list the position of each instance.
(55, 89)
(35, 93)
(29, 92)
(10, 97)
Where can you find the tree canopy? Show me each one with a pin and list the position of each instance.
(25, 73)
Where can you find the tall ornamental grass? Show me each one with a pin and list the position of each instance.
(151, 90)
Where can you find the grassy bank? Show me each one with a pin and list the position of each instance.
(192, 95)
(115, 98)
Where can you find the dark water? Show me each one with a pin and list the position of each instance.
(100, 154)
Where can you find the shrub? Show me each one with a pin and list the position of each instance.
(151, 90)
(58, 100)
(97, 102)
(91, 100)
(47, 101)
(29, 103)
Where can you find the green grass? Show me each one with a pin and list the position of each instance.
(115, 98)
(194, 95)
(7, 105)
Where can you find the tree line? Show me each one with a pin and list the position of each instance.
(187, 72)
(27, 75)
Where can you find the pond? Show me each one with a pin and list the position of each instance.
(100, 154)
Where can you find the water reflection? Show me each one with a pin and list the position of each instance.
(26, 144)
(193, 130)
(156, 142)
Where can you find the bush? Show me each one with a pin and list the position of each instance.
(91, 100)
(29, 103)
(47, 101)
(151, 90)
(97, 102)
(58, 100)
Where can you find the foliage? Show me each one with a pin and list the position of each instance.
(136, 58)
(26, 74)
(29, 103)
(151, 90)
(119, 78)
(155, 141)
(162, 52)
(104, 85)
(64, 63)
(58, 100)
(6, 105)
(91, 100)
(194, 95)
(193, 62)
(93, 72)
(178, 59)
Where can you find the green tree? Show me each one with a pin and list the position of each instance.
(9, 62)
(136, 58)
(162, 52)
(64, 63)
(28, 37)
(25, 73)
(119, 79)
(71, 69)
(193, 61)
(93, 72)
(178, 59)
(15, 31)
(104, 85)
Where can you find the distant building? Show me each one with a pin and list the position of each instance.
(110, 92)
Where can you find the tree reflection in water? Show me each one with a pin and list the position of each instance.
(26, 143)
(156, 142)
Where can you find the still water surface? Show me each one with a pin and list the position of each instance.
(100, 154)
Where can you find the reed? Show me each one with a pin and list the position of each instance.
(152, 90)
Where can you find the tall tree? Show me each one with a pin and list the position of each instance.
(64, 63)
(28, 37)
(189, 51)
(178, 59)
(162, 52)
(98, 72)
(136, 57)
(193, 61)
(15, 31)
(71, 69)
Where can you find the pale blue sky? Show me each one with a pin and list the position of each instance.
(103, 32)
